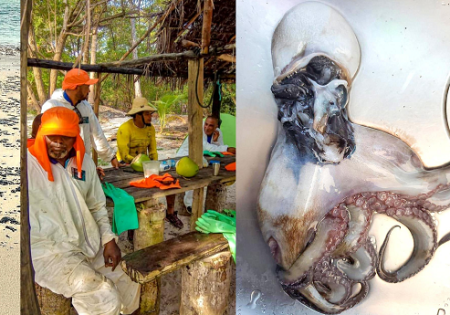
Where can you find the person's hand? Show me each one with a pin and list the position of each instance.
(100, 173)
(215, 136)
(115, 163)
(231, 150)
(112, 255)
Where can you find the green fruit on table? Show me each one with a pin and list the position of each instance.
(136, 164)
(186, 167)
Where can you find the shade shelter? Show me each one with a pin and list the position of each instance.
(196, 43)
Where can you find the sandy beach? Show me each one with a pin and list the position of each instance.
(10, 179)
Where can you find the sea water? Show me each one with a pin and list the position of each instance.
(10, 23)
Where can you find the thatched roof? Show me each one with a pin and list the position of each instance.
(183, 27)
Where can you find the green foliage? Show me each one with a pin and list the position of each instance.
(164, 105)
(113, 41)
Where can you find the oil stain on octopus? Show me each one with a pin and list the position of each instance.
(327, 177)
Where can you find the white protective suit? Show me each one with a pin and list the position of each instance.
(91, 131)
(217, 146)
(69, 226)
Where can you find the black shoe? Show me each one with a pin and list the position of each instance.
(174, 220)
(189, 210)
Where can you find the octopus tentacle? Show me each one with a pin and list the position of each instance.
(330, 232)
(359, 266)
(424, 235)
(311, 297)
(331, 282)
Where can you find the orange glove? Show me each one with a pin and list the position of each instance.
(231, 167)
(165, 181)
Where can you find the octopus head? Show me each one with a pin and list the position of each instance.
(315, 55)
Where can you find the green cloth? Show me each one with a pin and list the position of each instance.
(212, 153)
(214, 222)
(125, 214)
(228, 128)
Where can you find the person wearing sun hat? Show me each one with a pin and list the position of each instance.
(72, 245)
(137, 136)
(73, 95)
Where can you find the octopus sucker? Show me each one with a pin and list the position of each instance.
(327, 177)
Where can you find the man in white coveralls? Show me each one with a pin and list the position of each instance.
(73, 249)
(73, 95)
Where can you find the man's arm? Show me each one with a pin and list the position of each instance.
(152, 150)
(96, 202)
(102, 146)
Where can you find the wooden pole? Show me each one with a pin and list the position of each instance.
(52, 303)
(215, 197)
(97, 91)
(206, 285)
(28, 300)
(150, 232)
(206, 27)
(195, 95)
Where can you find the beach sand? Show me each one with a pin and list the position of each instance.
(10, 180)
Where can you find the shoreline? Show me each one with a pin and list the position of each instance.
(10, 50)
(10, 177)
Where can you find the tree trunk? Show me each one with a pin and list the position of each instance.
(32, 50)
(137, 83)
(205, 286)
(93, 61)
(87, 32)
(59, 47)
(33, 99)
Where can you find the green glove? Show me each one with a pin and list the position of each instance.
(214, 222)
(208, 153)
(230, 213)
(215, 226)
(231, 238)
(125, 214)
(211, 214)
(217, 153)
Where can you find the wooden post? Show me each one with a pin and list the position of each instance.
(206, 285)
(206, 27)
(28, 301)
(195, 92)
(215, 197)
(97, 89)
(52, 303)
(150, 232)
(179, 205)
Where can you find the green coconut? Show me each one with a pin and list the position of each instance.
(136, 164)
(186, 167)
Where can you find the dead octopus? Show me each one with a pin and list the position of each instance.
(327, 177)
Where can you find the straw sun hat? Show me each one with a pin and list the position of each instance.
(140, 104)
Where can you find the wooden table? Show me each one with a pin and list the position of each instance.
(122, 177)
(151, 214)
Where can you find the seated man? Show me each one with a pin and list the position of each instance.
(73, 250)
(212, 141)
(137, 136)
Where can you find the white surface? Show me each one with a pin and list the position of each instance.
(401, 88)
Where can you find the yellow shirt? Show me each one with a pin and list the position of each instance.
(132, 140)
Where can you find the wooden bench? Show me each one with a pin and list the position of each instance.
(206, 267)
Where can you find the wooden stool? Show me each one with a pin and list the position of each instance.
(51, 303)
(149, 264)
(150, 232)
(206, 285)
